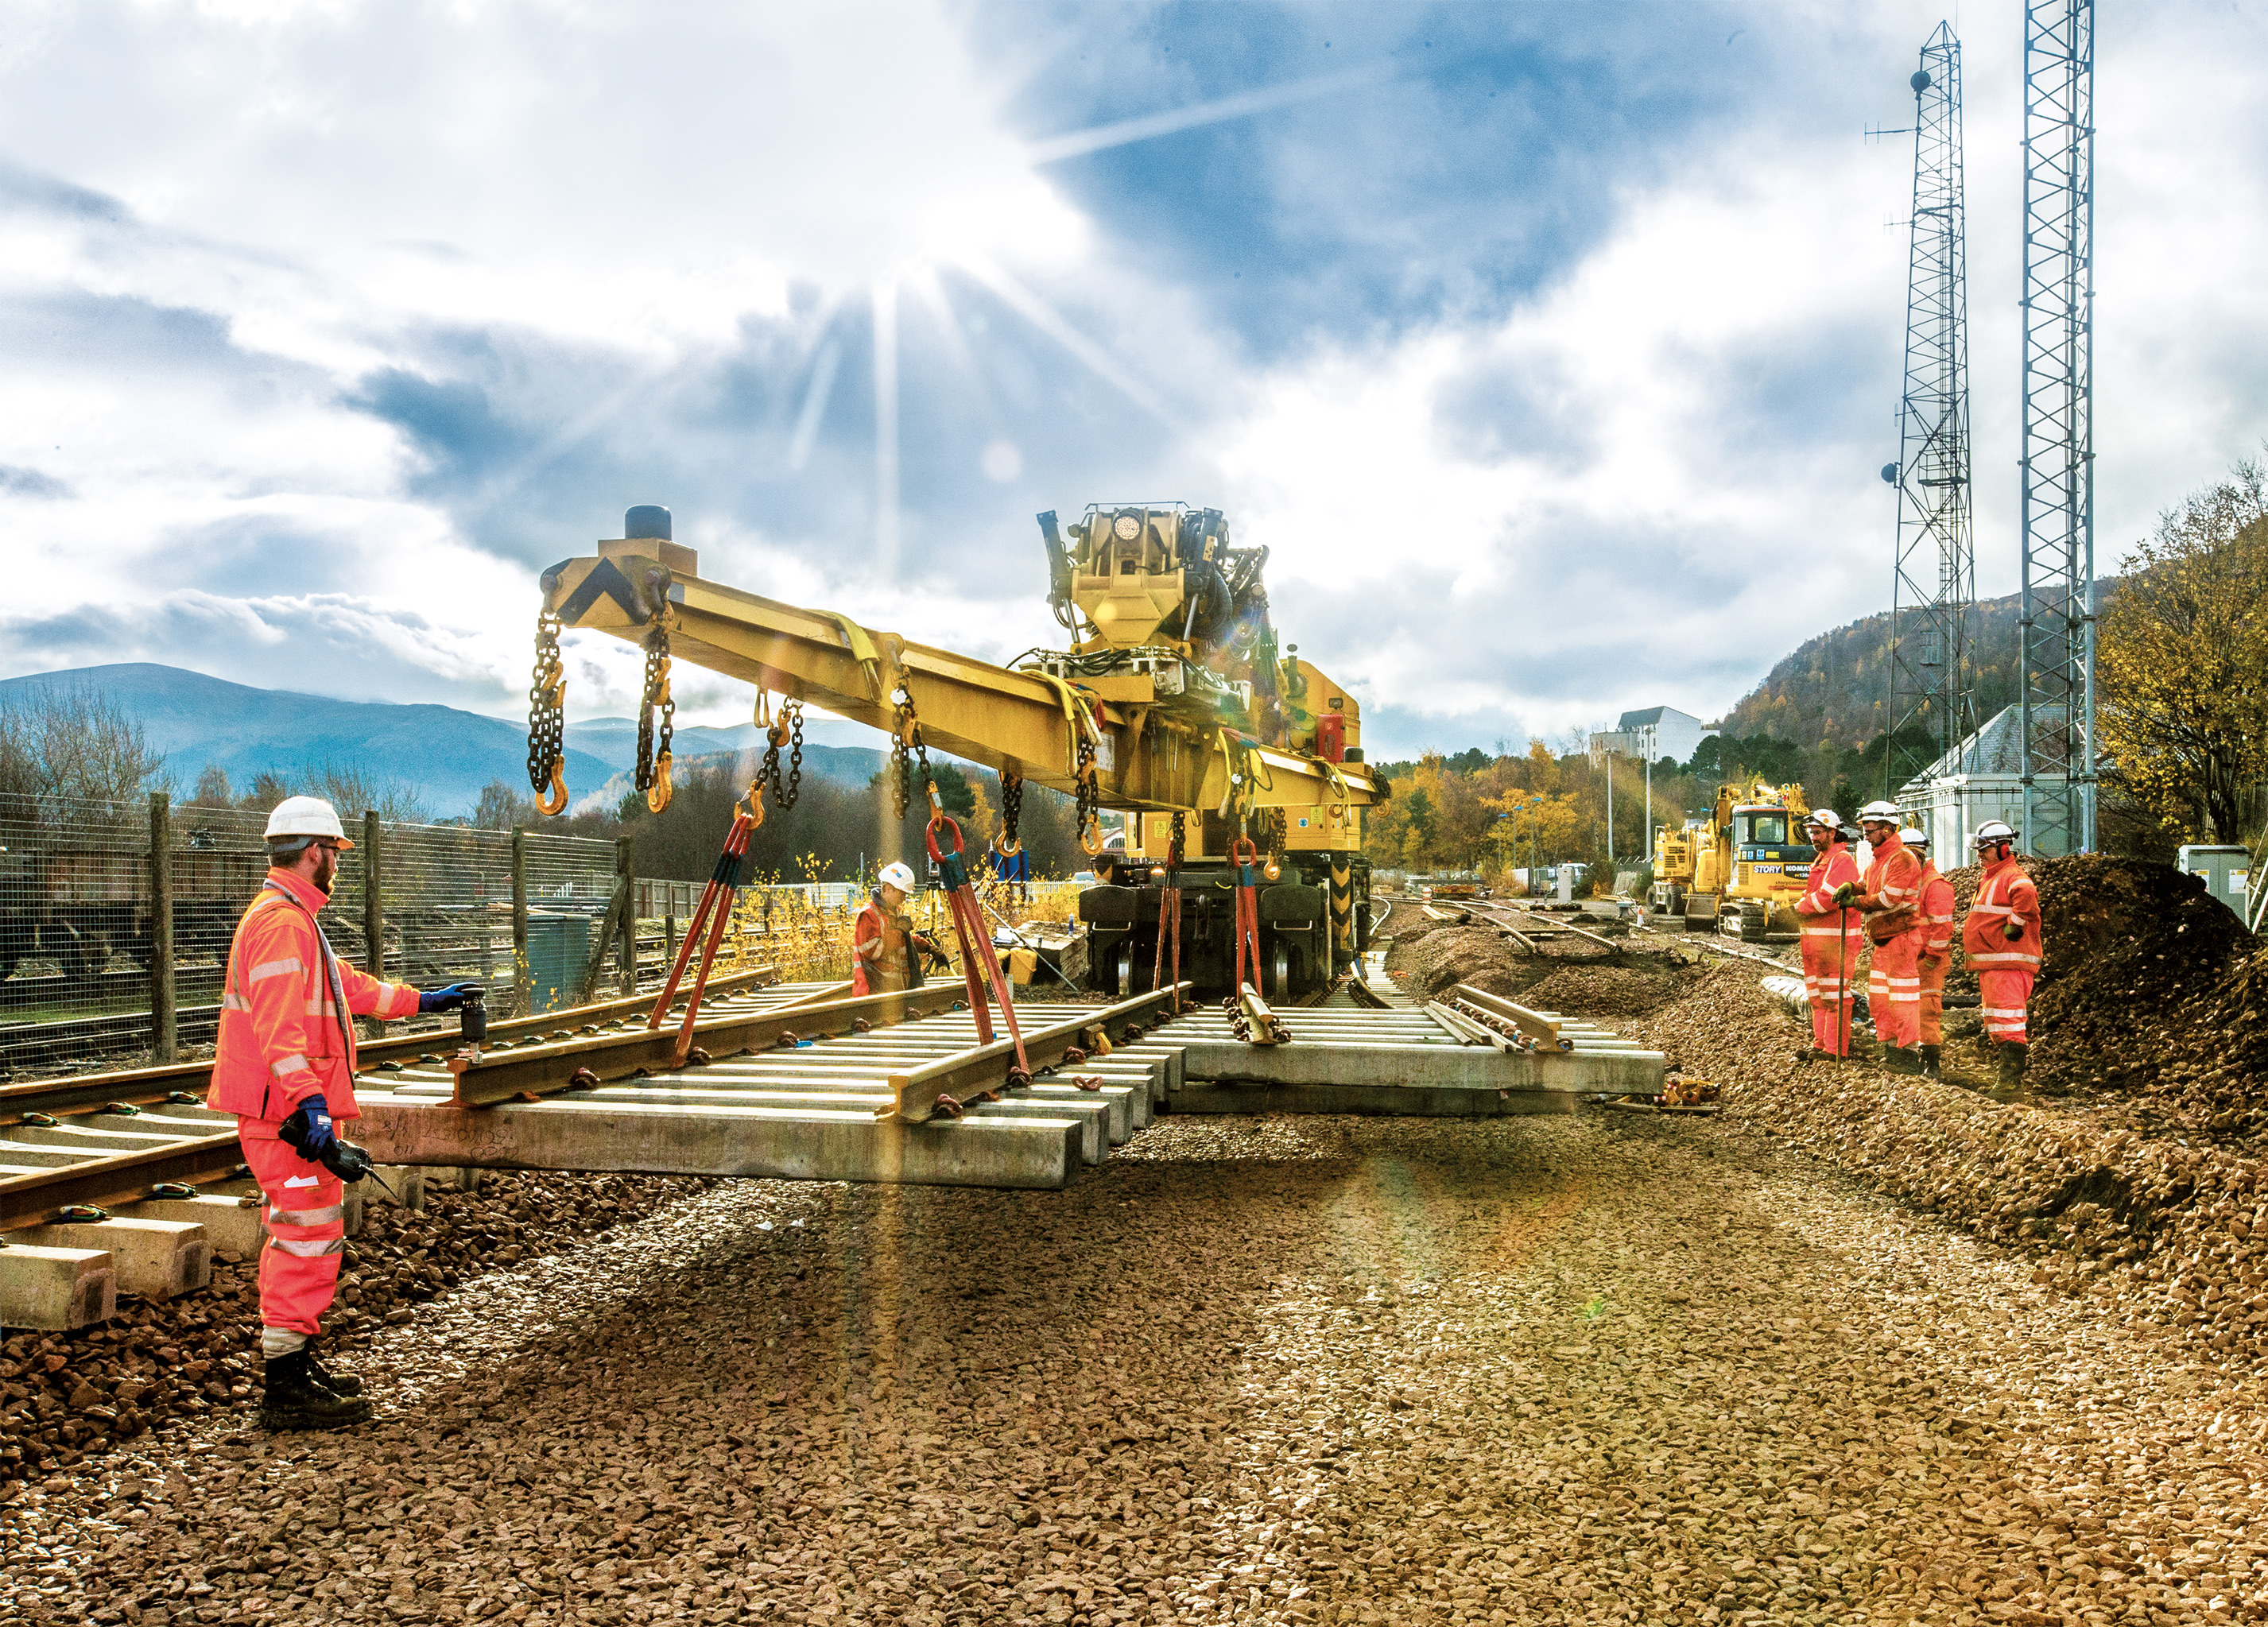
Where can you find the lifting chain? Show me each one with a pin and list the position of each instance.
(786, 728)
(1088, 799)
(905, 734)
(1174, 850)
(652, 764)
(1279, 829)
(1008, 843)
(547, 714)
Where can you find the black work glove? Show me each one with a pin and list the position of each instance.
(2013, 930)
(448, 999)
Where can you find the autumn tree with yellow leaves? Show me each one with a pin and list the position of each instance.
(2182, 666)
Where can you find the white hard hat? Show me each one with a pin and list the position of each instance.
(1885, 812)
(1991, 832)
(1914, 838)
(306, 816)
(897, 875)
(1827, 817)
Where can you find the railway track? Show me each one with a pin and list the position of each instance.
(100, 1140)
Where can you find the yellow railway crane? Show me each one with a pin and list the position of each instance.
(1172, 704)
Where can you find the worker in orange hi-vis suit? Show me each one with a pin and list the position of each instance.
(284, 1065)
(2002, 939)
(886, 951)
(1831, 939)
(1889, 898)
(1936, 948)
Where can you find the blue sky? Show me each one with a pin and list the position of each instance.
(1551, 350)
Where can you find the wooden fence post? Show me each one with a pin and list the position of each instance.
(626, 886)
(164, 1031)
(521, 974)
(373, 901)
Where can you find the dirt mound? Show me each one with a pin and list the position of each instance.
(1452, 954)
(2172, 1234)
(1603, 993)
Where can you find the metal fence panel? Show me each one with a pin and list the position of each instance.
(77, 924)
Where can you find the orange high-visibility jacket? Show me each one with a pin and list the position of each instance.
(1936, 912)
(1891, 893)
(1817, 912)
(285, 1032)
(2004, 894)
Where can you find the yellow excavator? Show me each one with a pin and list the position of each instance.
(1740, 869)
(1172, 704)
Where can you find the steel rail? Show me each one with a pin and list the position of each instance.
(90, 1091)
(917, 1093)
(37, 1198)
(540, 1070)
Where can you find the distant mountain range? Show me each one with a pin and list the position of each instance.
(845, 765)
(442, 756)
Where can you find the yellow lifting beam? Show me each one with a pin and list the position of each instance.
(1014, 723)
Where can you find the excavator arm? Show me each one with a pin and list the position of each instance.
(1017, 723)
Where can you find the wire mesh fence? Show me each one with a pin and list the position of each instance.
(92, 895)
(89, 892)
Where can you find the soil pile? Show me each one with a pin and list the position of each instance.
(2174, 1235)
(64, 1396)
(2151, 992)
(1604, 993)
(1452, 954)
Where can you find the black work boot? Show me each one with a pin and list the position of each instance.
(1901, 1059)
(2008, 1085)
(295, 1401)
(1929, 1060)
(337, 1383)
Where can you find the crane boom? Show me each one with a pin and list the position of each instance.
(1149, 757)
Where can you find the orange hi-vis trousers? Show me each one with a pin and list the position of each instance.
(1830, 966)
(1894, 990)
(306, 1216)
(2002, 994)
(1933, 968)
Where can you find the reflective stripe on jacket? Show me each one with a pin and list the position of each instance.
(1891, 894)
(1817, 912)
(286, 1029)
(2004, 894)
(1936, 912)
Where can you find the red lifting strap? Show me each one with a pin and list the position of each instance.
(1169, 926)
(1245, 856)
(715, 911)
(975, 944)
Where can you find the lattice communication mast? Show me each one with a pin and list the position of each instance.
(2058, 513)
(1934, 583)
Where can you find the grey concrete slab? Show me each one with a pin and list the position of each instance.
(1372, 1100)
(790, 1143)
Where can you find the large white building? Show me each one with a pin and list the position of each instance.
(1653, 735)
(1980, 779)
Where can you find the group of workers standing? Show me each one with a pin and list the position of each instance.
(1901, 910)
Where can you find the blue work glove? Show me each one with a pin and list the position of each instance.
(308, 1131)
(448, 999)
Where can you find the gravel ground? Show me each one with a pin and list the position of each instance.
(1546, 1370)
(67, 1397)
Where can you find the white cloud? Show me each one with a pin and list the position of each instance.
(1644, 481)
